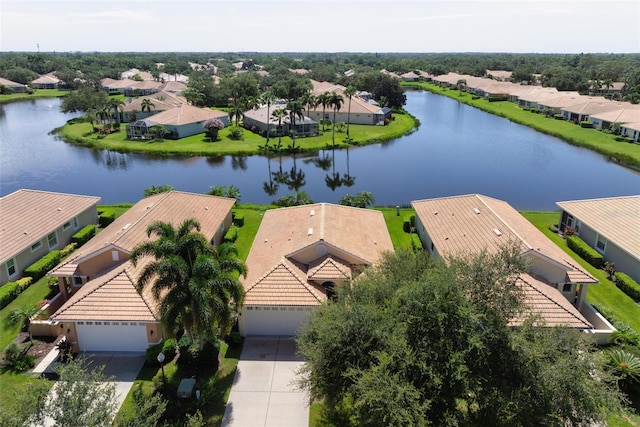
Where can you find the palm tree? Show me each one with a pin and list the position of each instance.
(324, 99)
(146, 105)
(296, 110)
(462, 83)
(118, 107)
(268, 98)
(349, 92)
(336, 101)
(192, 280)
(278, 115)
(104, 114)
(21, 316)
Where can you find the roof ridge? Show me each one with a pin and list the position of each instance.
(505, 223)
(161, 197)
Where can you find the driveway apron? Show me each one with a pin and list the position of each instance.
(264, 391)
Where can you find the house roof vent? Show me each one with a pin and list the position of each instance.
(310, 231)
(476, 210)
(312, 213)
(498, 232)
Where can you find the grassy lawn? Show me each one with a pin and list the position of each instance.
(593, 139)
(394, 224)
(82, 134)
(39, 93)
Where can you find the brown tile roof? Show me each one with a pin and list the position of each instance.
(616, 218)
(304, 236)
(10, 83)
(185, 114)
(161, 101)
(29, 215)
(629, 114)
(46, 79)
(544, 300)
(125, 233)
(473, 223)
(329, 268)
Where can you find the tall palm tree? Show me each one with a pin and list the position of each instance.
(349, 92)
(278, 115)
(324, 99)
(118, 107)
(104, 114)
(147, 105)
(296, 110)
(191, 280)
(268, 98)
(336, 101)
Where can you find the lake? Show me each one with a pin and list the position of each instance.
(456, 150)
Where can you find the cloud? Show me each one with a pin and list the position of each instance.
(113, 16)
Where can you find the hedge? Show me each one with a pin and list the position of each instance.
(585, 251)
(231, 234)
(586, 124)
(627, 285)
(238, 219)
(38, 269)
(10, 290)
(416, 243)
(106, 218)
(84, 235)
(67, 250)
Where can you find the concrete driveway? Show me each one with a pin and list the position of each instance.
(264, 392)
(123, 367)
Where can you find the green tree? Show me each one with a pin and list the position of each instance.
(267, 99)
(230, 191)
(349, 92)
(410, 344)
(84, 99)
(297, 199)
(118, 107)
(147, 410)
(157, 189)
(21, 316)
(147, 105)
(278, 115)
(336, 102)
(193, 281)
(324, 99)
(213, 126)
(296, 111)
(363, 199)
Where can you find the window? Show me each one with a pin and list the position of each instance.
(115, 256)
(77, 281)
(75, 223)
(566, 287)
(52, 238)
(11, 267)
(37, 245)
(601, 243)
(66, 225)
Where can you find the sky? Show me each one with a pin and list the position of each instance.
(518, 26)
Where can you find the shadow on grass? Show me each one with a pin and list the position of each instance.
(221, 386)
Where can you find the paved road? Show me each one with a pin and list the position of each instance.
(264, 392)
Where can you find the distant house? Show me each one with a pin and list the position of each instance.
(610, 225)
(33, 222)
(130, 87)
(46, 81)
(620, 116)
(160, 101)
(581, 112)
(500, 75)
(101, 309)
(631, 130)
(363, 110)
(409, 77)
(14, 86)
(555, 286)
(258, 118)
(186, 120)
(299, 255)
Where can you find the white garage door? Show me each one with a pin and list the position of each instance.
(260, 320)
(111, 336)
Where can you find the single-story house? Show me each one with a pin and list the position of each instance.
(409, 77)
(46, 81)
(101, 309)
(581, 112)
(363, 112)
(605, 120)
(144, 75)
(33, 222)
(297, 258)
(186, 120)
(631, 130)
(160, 101)
(258, 118)
(501, 75)
(555, 286)
(609, 225)
(14, 86)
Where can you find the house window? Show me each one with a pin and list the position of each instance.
(37, 245)
(601, 243)
(66, 225)
(11, 267)
(566, 287)
(115, 256)
(75, 222)
(52, 238)
(77, 281)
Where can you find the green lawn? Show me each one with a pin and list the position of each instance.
(82, 134)
(394, 224)
(39, 93)
(593, 139)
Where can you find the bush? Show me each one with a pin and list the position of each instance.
(586, 124)
(553, 228)
(38, 269)
(238, 219)
(106, 218)
(192, 357)
(24, 283)
(558, 117)
(84, 235)
(584, 251)
(151, 354)
(67, 250)
(627, 285)
(8, 292)
(16, 358)
(232, 234)
(169, 348)
(416, 243)
(406, 224)
(237, 134)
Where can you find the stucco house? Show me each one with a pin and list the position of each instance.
(258, 117)
(160, 101)
(620, 116)
(101, 309)
(34, 222)
(186, 120)
(555, 286)
(46, 81)
(609, 225)
(297, 258)
(363, 112)
(631, 130)
(14, 86)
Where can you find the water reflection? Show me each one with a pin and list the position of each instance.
(110, 159)
(294, 178)
(239, 162)
(271, 187)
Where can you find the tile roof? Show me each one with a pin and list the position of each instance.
(305, 243)
(10, 83)
(472, 223)
(46, 79)
(161, 101)
(29, 215)
(616, 218)
(185, 114)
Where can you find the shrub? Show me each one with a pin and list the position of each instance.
(67, 250)
(416, 243)
(24, 283)
(38, 269)
(84, 235)
(584, 251)
(586, 124)
(238, 219)
(169, 348)
(151, 354)
(8, 292)
(16, 358)
(232, 234)
(558, 117)
(192, 357)
(237, 134)
(553, 228)
(406, 225)
(627, 285)
(106, 218)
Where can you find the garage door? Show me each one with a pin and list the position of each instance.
(112, 336)
(261, 320)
